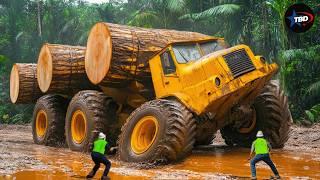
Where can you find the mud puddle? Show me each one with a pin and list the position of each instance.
(21, 159)
(210, 162)
(234, 163)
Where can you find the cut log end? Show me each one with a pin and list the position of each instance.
(44, 69)
(14, 83)
(23, 84)
(98, 53)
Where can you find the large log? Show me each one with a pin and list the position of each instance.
(117, 54)
(61, 69)
(23, 84)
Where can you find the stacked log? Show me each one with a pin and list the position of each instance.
(61, 69)
(117, 54)
(23, 84)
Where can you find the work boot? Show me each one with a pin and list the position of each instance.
(105, 178)
(275, 177)
(90, 175)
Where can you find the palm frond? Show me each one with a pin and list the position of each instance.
(189, 17)
(176, 5)
(220, 10)
(308, 53)
(224, 10)
(310, 115)
(314, 88)
(144, 19)
(313, 114)
(19, 35)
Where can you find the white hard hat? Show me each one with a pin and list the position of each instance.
(259, 134)
(102, 135)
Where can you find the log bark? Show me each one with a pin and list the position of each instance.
(24, 88)
(61, 69)
(117, 54)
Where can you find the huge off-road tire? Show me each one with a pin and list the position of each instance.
(48, 120)
(205, 133)
(89, 113)
(159, 131)
(273, 117)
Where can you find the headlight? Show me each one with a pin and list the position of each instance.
(262, 59)
(217, 81)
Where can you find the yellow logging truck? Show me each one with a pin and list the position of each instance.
(198, 87)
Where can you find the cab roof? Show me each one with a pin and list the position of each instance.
(209, 39)
(195, 41)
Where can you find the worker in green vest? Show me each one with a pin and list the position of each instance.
(261, 147)
(97, 155)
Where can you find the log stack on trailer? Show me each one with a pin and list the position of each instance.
(61, 69)
(23, 83)
(115, 56)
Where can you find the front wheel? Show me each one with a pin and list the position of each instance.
(272, 116)
(158, 131)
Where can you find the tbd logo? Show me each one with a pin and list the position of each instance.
(299, 18)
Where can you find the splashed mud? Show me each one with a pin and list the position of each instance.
(21, 159)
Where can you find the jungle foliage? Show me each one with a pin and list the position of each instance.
(26, 24)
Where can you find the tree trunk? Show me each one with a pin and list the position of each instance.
(39, 18)
(61, 70)
(117, 54)
(23, 84)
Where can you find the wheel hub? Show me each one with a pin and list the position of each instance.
(144, 134)
(41, 123)
(78, 127)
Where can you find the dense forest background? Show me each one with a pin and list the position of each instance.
(26, 24)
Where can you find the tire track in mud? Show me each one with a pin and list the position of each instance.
(20, 157)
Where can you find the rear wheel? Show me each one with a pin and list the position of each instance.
(158, 131)
(89, 113)
(272, 116)
(48, 120)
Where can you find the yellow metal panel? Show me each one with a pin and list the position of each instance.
(171, 82)
(194, 83)
(157, 76)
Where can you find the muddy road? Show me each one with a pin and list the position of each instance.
(21, 159)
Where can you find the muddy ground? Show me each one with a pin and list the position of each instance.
(20, 158)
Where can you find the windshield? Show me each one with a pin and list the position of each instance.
(191, 52)
(210, 47)
(187, 52)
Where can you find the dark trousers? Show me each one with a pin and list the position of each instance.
(265, 158)
(100, 158)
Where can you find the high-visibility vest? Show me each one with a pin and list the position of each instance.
(99, 146)
(261, 146)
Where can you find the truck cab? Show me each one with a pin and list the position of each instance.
(209, 76)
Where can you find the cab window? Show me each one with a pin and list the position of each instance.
(186, 52)
(167, 63)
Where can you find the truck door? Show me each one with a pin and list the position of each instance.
(171, 81)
